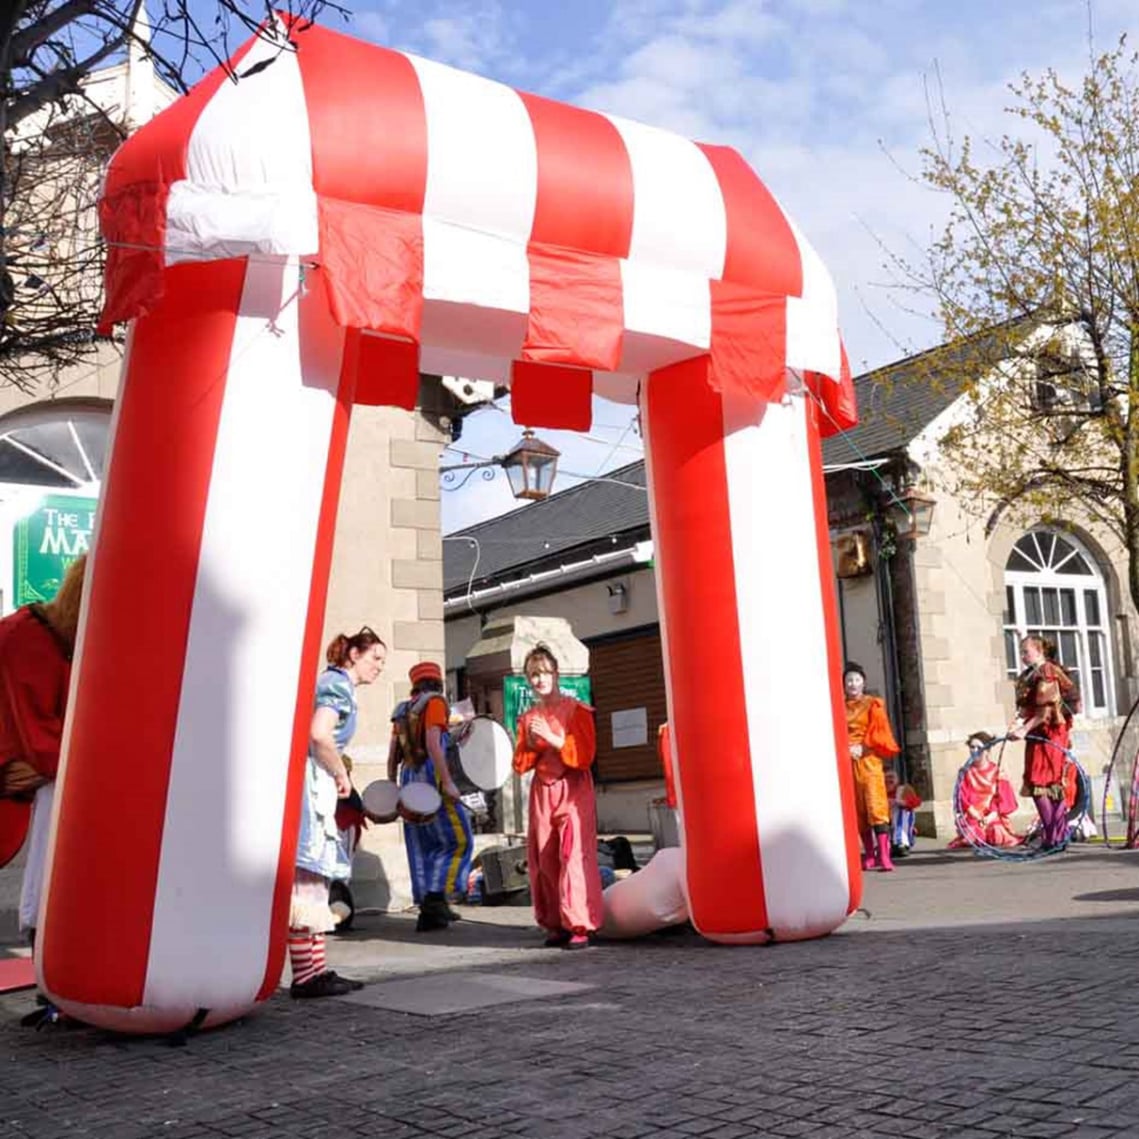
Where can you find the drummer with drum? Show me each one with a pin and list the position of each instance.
(437, 827)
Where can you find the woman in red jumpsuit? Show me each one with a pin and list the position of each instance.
(556, 740)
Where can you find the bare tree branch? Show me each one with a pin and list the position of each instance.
(55, 139)
(1043, 242)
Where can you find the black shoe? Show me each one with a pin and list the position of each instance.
(430, 920)
(432, 914)
(40, 1017)
(326, 984)
(557, 940)
(355, 986)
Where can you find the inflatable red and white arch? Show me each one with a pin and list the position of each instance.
(316, 235)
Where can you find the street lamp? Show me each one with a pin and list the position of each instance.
(911, 513)
(530, 467)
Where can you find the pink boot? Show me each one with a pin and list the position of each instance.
(885, 862)
(869, 854)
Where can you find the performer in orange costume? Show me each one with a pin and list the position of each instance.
(556, 740)
(871, 741)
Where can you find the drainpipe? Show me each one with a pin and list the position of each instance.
(842, 616)
(885, 550)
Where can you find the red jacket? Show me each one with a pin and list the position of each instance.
(35, 669)
(576, 720)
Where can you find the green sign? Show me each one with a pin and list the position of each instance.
(46, 542)
(517, 695)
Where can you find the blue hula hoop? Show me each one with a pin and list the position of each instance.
(1019, 853)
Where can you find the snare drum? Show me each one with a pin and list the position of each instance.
(418, 803)
(486, 753)
(381, 801)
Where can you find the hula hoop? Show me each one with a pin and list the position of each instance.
(1131, 839)
(1021, 853)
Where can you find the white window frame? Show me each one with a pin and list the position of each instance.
(1080, 634)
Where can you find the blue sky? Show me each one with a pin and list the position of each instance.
(826, 98)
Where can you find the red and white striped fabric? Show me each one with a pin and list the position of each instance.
(192, 693)
(751, 638)
(313, 236)
(495, 231)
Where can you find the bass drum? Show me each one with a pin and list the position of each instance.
(486, 753)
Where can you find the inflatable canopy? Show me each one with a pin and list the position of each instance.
(316, 235)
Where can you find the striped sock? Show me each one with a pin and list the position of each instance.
(318, 962)
(301, 954)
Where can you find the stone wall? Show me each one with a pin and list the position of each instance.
(959, 594)
(388, 573)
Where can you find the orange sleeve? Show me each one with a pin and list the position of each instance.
(664, 754)
(436, 714)
(580, 747)
(879, 739)
(524, 757)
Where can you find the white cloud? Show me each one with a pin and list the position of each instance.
(473, 39)
(743, 22)
(475, 36)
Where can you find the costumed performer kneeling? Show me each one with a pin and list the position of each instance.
(986, 798)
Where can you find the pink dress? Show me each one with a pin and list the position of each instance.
(987, 802)
(562, 841)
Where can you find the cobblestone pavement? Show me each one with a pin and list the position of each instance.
(897, 1026)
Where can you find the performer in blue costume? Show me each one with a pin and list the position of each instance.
(438, 850)
(321, 854)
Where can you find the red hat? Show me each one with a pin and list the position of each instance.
(425, 670)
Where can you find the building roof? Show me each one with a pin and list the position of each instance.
(894, 407)
(895, 404)
(584, 519)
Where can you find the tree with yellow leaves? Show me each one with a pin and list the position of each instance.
(1036, 279)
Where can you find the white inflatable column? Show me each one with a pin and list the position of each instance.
(752, 660)
(176, 820)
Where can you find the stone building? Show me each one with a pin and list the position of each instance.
(932, 608)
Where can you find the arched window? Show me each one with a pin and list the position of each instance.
(1053, 589)
(62, 443)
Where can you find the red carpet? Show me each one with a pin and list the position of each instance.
(17, 973)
